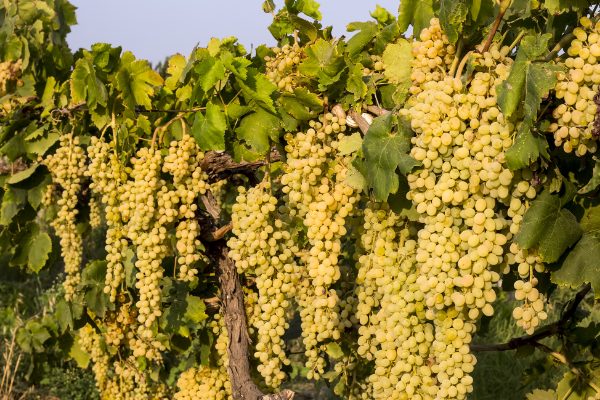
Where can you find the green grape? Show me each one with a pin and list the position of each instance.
(281, 67)
(67, 167)
(95, 218)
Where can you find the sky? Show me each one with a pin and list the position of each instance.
(155, 29)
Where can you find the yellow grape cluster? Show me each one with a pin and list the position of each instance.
(208, 382)
(575, 116)
(9, 71)
(377, 65)
(67, 167)
(394, 328)
(219, 191)
(262, 242)
(322, 205)
(356, 389)
(433, 55)
(281, 66)
(189, 181)
(108, 176)
(95, 217)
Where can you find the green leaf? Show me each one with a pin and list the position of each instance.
(176, 65)
(528, 147)
(257, 88)
(340, 387)
(304, 27)
(64, 315)
(382, 15)
(581, 264)
(355, 179)
(594, 182)
(136, 80)
(195, 309)
(41, 144)
(321, 56)
(238, 65)
(384, 152)
(209, 129)
(32, 337)
(538, 394)
(39, 252)
(48, 96)
(367, 31)
(355, 83)
(309, 7)
(331, 375)
(21, 176)
(453, 14)
(257, 128)
(81, 357)
(577, 387)
(130, 269)
(210, 71)
(310, 100)
(417, 13)
(294, 107)
(94, 277)
(560, 6)
(400, 204)
(396, 59)
(85, 86)
(350, 144)
(268, 6)
(528, 81)
(547, 223)
(334, 350)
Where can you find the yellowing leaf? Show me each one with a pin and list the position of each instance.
(136, 80)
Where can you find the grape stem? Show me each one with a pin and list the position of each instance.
(459, 48)
(516, 41)
(503, 7)
(544, 332)
(462, 64)
(564, 360)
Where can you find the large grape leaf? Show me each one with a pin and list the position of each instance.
(528, 81)
(573, 387)
(85, 86)
(209, 129)
(581, 264)
(547, 223)
(136, 80)
(176, 65)
(94, 277)
(417, 13)
(321, 56)
(367, 32)
(355, 83)
(32, 247)
(453, 14)
(257, 128)
(384, 152)
(257, 88)
(210, 71)
(32, 336)
(396, 59)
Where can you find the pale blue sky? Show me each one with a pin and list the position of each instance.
(153, 29)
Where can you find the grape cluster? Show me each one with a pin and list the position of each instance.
(321, 203)
(281, 66)
(262, 242)
(575, 115)
(208, 382)
(95, 218)
(67, 167)
(219, 191)
(108, 176)
(433, 55)
(9, 72)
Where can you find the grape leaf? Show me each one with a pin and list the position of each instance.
(528, 147)
(210, 71)
(528, 81)
(396, 60)
(334, 350)
(136, 80)
(538, 394)
(355, 83)
(350, 144)
(209, 129)
(32, 337)
(594, 182)
(293, 107)
(581, 264)
(64, 315)
(321, 56)
(304, 27)
(257, 128)
(417, 13)
(453, 14)
(130, 269)
(382, 15)
(238, 65)
(81, 357)
(39, 252)
(355, 179)
(176, 65)
(94, 277)
(85, 86)
(21, 176)
(577, 388)
(308, 7)
(309, 99)
(547, 223)
(560, 6)
(366, 32)
(384, 152)
(195, 309)
(257, 88)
